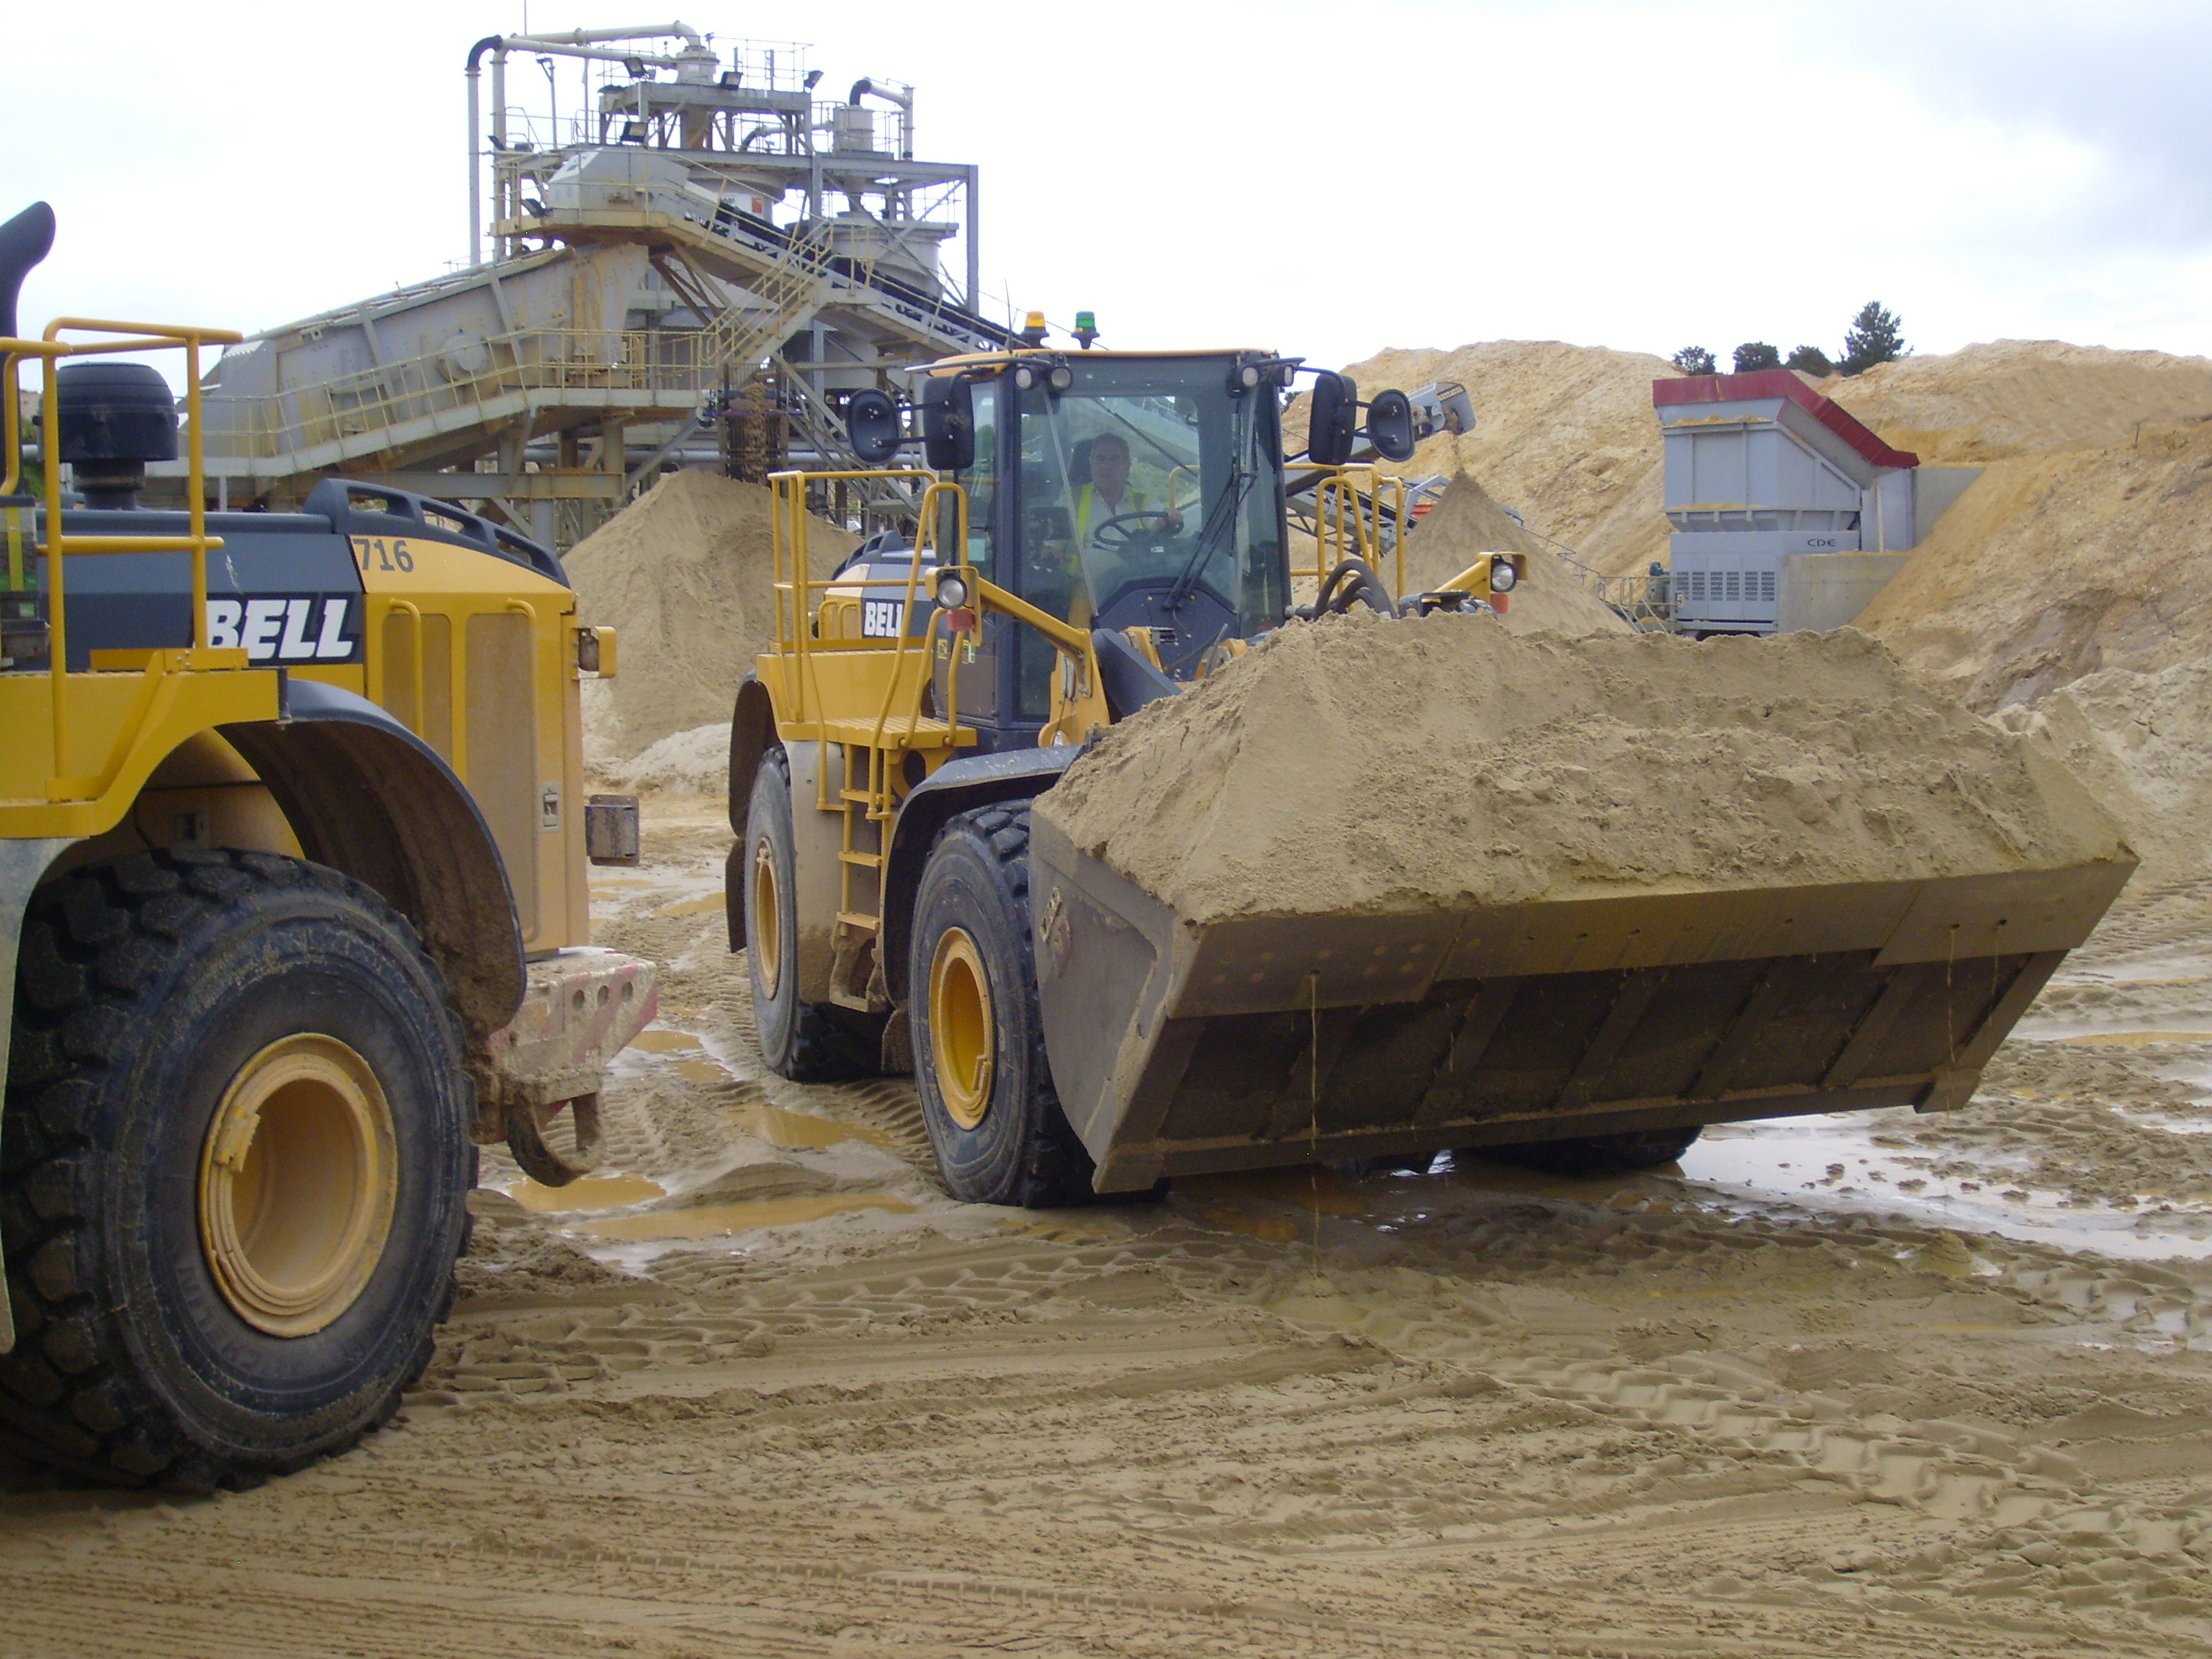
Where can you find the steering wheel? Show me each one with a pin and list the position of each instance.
(1130, 534)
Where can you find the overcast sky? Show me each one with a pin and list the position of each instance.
(1327, 179)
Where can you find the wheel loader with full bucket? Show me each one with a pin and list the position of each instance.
(1101, 549)
(292, 904)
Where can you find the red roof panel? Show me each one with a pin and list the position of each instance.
(1781, 383)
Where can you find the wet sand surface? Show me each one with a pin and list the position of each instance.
(1889, 1384)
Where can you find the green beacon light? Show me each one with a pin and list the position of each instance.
(1086, 327)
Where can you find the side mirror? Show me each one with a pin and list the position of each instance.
(948, 423)
(24, 241)
(871, 425)
(1390, 425)
(1333, 421)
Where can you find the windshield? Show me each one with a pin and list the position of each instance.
(1148, 495)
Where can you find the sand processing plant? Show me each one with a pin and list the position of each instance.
(682, 250)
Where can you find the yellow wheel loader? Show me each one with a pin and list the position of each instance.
(1096, 530)
(293, 902)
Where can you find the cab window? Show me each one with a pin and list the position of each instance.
(1147, 495)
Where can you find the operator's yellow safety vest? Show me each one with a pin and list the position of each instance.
(1133, 500)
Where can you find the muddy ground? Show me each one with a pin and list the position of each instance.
(1887, 1385)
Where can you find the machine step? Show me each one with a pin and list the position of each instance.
(926, 732)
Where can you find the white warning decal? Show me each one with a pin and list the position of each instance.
(286, 628)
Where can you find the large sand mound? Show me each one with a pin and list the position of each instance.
(2139, 741)
(2004, 398)
(2073, 553)
(2077, 550)
(1367, 762)
(684, 576)
(1466, 523)
(1563, 434)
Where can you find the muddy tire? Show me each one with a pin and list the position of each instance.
(233, 1166)
(986, 1093)
(1593, 1155)
(806, 1042)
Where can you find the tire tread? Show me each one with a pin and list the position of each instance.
(829, 1043)
(1055, 1171)
(91, 939)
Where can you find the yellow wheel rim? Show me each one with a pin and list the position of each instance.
(298, 1182)
(960, 1028)
(766, 910)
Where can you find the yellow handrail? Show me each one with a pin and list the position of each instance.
(788, 521)
(58, 545)
(925, 539)
(1344, 529)
(802, 632)
(791, 560)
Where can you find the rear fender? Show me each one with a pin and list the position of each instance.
(956, 786)
(366, 796)
(752, 734)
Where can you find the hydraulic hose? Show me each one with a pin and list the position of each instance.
(1353, 582)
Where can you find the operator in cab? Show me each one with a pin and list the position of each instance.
(1105, 492)
(1106, 500)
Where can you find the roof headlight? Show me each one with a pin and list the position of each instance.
(1061, 377)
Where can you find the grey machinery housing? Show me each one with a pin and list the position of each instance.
(1789, 513)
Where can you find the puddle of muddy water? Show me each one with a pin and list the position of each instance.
(2133, 1039)
(1252, 1202)
(614, 1192)
(711, 903)
(1278, 1206)
(713, 1220)
(1789, 1160)
(787, 1130)
(1830, 1165)
(659, 1040)
(797, 1132)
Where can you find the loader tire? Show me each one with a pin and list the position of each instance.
(1595, 1155)
(995, 1119)
(806, 1042)
(235, 1162)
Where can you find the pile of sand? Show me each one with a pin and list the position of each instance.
(1445, 762)
(696, 762)
(684, 576)
(1466, 523)
(2071, 554)
(2006, 399)
(1563, 434)
(2077, 550)
(2140, 742)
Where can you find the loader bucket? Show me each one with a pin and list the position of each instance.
(1178, 1048)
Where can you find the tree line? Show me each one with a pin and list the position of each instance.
(1875, 336)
